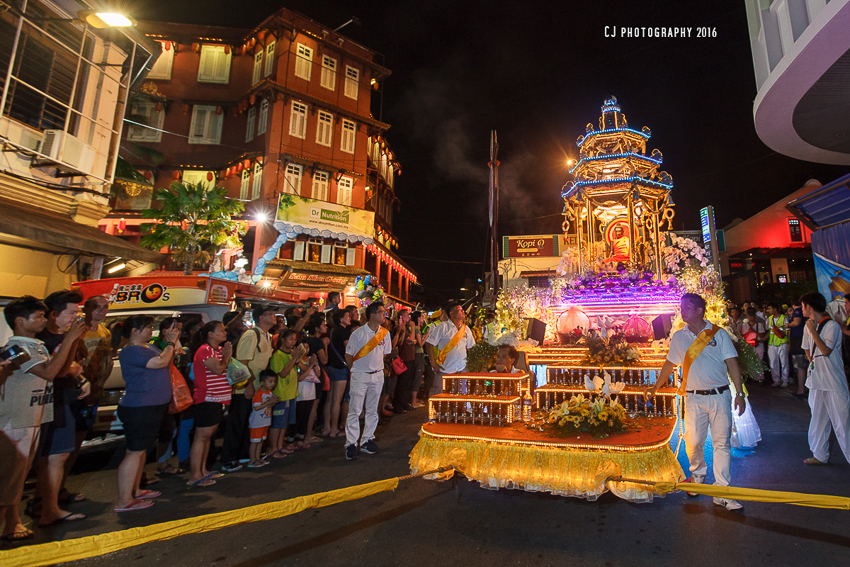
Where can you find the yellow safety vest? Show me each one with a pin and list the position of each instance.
(773, 340)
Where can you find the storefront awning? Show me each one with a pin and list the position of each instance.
(59, 230)
(825, 206)
(310, 276)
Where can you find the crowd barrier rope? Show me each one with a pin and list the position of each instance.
(92, 546)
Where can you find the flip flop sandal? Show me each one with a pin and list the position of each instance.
(66, 497)
(281, 454)
(202, 482)
(137, 505)
(148, 494)
(315, 440)
(257, 464)
(167, 471)
(19, 536)
(65, 519)
(814, 461)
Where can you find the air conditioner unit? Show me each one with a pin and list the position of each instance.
(20, 135)
(68, 150)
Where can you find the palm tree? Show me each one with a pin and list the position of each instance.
(196, 221)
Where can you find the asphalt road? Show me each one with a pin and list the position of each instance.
(431, 523)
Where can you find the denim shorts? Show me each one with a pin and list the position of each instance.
(283, 414)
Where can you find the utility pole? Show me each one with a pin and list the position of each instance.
(494, 215)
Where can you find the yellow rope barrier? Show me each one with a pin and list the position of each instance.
(748, 494)
(91, 546)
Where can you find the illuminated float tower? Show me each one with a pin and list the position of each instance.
(618, 199)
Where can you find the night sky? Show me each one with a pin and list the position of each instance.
(538, 72)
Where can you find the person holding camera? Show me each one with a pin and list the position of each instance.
(59, 436)
(27, 402)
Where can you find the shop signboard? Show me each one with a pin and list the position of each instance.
(311, 213)
(160, 291)
(314, 279)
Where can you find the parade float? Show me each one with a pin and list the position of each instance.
(576, 420)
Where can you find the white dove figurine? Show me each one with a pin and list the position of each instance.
(611, 389)
(594, 385)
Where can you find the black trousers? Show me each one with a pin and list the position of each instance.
(401, 397)
(236, 432)
(302, 416)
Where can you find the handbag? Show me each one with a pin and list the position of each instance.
(181, 398)
(399, 366)
(237, 373)
(311, 377)
(326, 381)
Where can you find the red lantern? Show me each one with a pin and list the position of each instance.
(196, 47)
(226, 173)
(247, 164)
(184, 225)
(210, 176)
(252, 99)
(244, 49)
(158, 107)
(261, 35)
(166, 46)
(227, 50)
(186, 108)
(122, 224)
(252, 43)
(219, 110)
(239, 168)
(147, 174)
(175, 175)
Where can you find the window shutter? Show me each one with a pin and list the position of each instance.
(245, 185)
(258, 67)
(324, 128)
(215, 65)
(298, 250)
(326, 253)
(257, 186)
(328, 72)
(348, 136)
(162, 68)
(264, 116)
(199, 124)
(249, 129)
(320, 186)
(343, 196)
(352, 82)
(303, 61)
(269, 58)
(349, 257)
(298, 121)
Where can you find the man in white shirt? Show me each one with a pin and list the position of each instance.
(364, 355)
(449, 358)
(829, 397)
(708, 402)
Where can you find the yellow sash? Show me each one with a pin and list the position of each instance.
(694, 351)
(373, 342)
(461, 333)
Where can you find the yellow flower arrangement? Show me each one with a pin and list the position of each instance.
(598, 416)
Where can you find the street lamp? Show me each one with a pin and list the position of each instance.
(102, 20)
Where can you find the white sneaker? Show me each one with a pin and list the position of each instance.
(731, 505)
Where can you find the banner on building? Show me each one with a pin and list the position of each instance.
(321, 215)
(833, 278)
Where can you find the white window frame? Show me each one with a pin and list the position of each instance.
(292, 179)
(264, 117)
(344, 188)
(257, 183)
(298, 120)
(244, 183)
(269, 67)
(348, 138)
(153, 118)
(249, 128)
(200, 177)
(329, 72)
(210, 131)
(303, 61)
(324, 128)
(321, 185)
(220, 65)
(352, 82)
(161, 70)
(258, 67)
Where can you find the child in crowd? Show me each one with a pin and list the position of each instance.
(283, 363)
(506, 358)
(261, 416)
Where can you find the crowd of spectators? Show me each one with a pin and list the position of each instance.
(299, 377)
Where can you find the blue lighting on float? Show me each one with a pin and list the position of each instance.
(584, 138)
(613, 181)
(614, 156)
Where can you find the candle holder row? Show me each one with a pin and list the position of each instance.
(474, 410)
